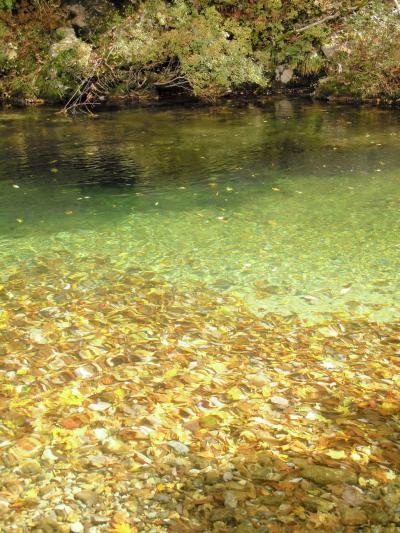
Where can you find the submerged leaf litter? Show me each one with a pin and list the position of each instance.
(129, 404)
(195, 334)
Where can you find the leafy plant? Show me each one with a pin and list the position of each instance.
(367, 61)
(208, 47)
(177, 46)
(7, 4)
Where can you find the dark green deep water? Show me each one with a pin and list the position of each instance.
(293, 206)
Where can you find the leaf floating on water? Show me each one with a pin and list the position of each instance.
(113, 445)
(258, 380)
(353, 496)
(210, 421)
(27, 447)
(70, 397)
(266, 391)
(48, 456)
(345, 289)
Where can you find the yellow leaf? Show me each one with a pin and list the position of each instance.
(120, 394)
(218, 367)
(266, 391)
(390, 475)
(336, 454)
(248, 435)
(71, 397)
(390, 407)
(210, 421)
(172, 372)
(356, 457)
(235, 393)
(361, 458)
(124, 528)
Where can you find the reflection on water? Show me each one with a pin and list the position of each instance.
(293, 206)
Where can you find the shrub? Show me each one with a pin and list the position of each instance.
(367, 61)
(215, 54)
(208, 53)
(207, 47)
(25, 40)
(70, 61)
(7, 5)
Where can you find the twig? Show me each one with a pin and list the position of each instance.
(397, 5)
(172, 82)
(320, 21)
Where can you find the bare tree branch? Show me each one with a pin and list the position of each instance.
(320, 21)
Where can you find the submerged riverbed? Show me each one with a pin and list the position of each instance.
(199, 321)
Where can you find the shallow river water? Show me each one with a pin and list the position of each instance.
(199, 320)
(292, 206)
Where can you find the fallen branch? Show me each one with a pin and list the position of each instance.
(319, 21)
(397, 5)
(171, 82)
(79, 97)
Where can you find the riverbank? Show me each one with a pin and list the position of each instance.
(84, 55)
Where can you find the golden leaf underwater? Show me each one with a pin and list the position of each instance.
(153, 405)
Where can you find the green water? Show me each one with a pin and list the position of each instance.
(293, 206)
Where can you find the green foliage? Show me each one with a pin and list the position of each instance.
(25, 40)
(206, 47)
(274, 25)
(7, 4)
(215, 55)
(209, 53)
(70, 61)
(367, 61)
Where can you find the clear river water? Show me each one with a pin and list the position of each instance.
(292, 206)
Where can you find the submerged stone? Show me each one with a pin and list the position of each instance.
(30, 467)
(325, 475)
(88, 497)
(178, 447)
(353, 517)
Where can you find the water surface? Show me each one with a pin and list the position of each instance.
(292, 206)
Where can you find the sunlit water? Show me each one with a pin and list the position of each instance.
(292, 206)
